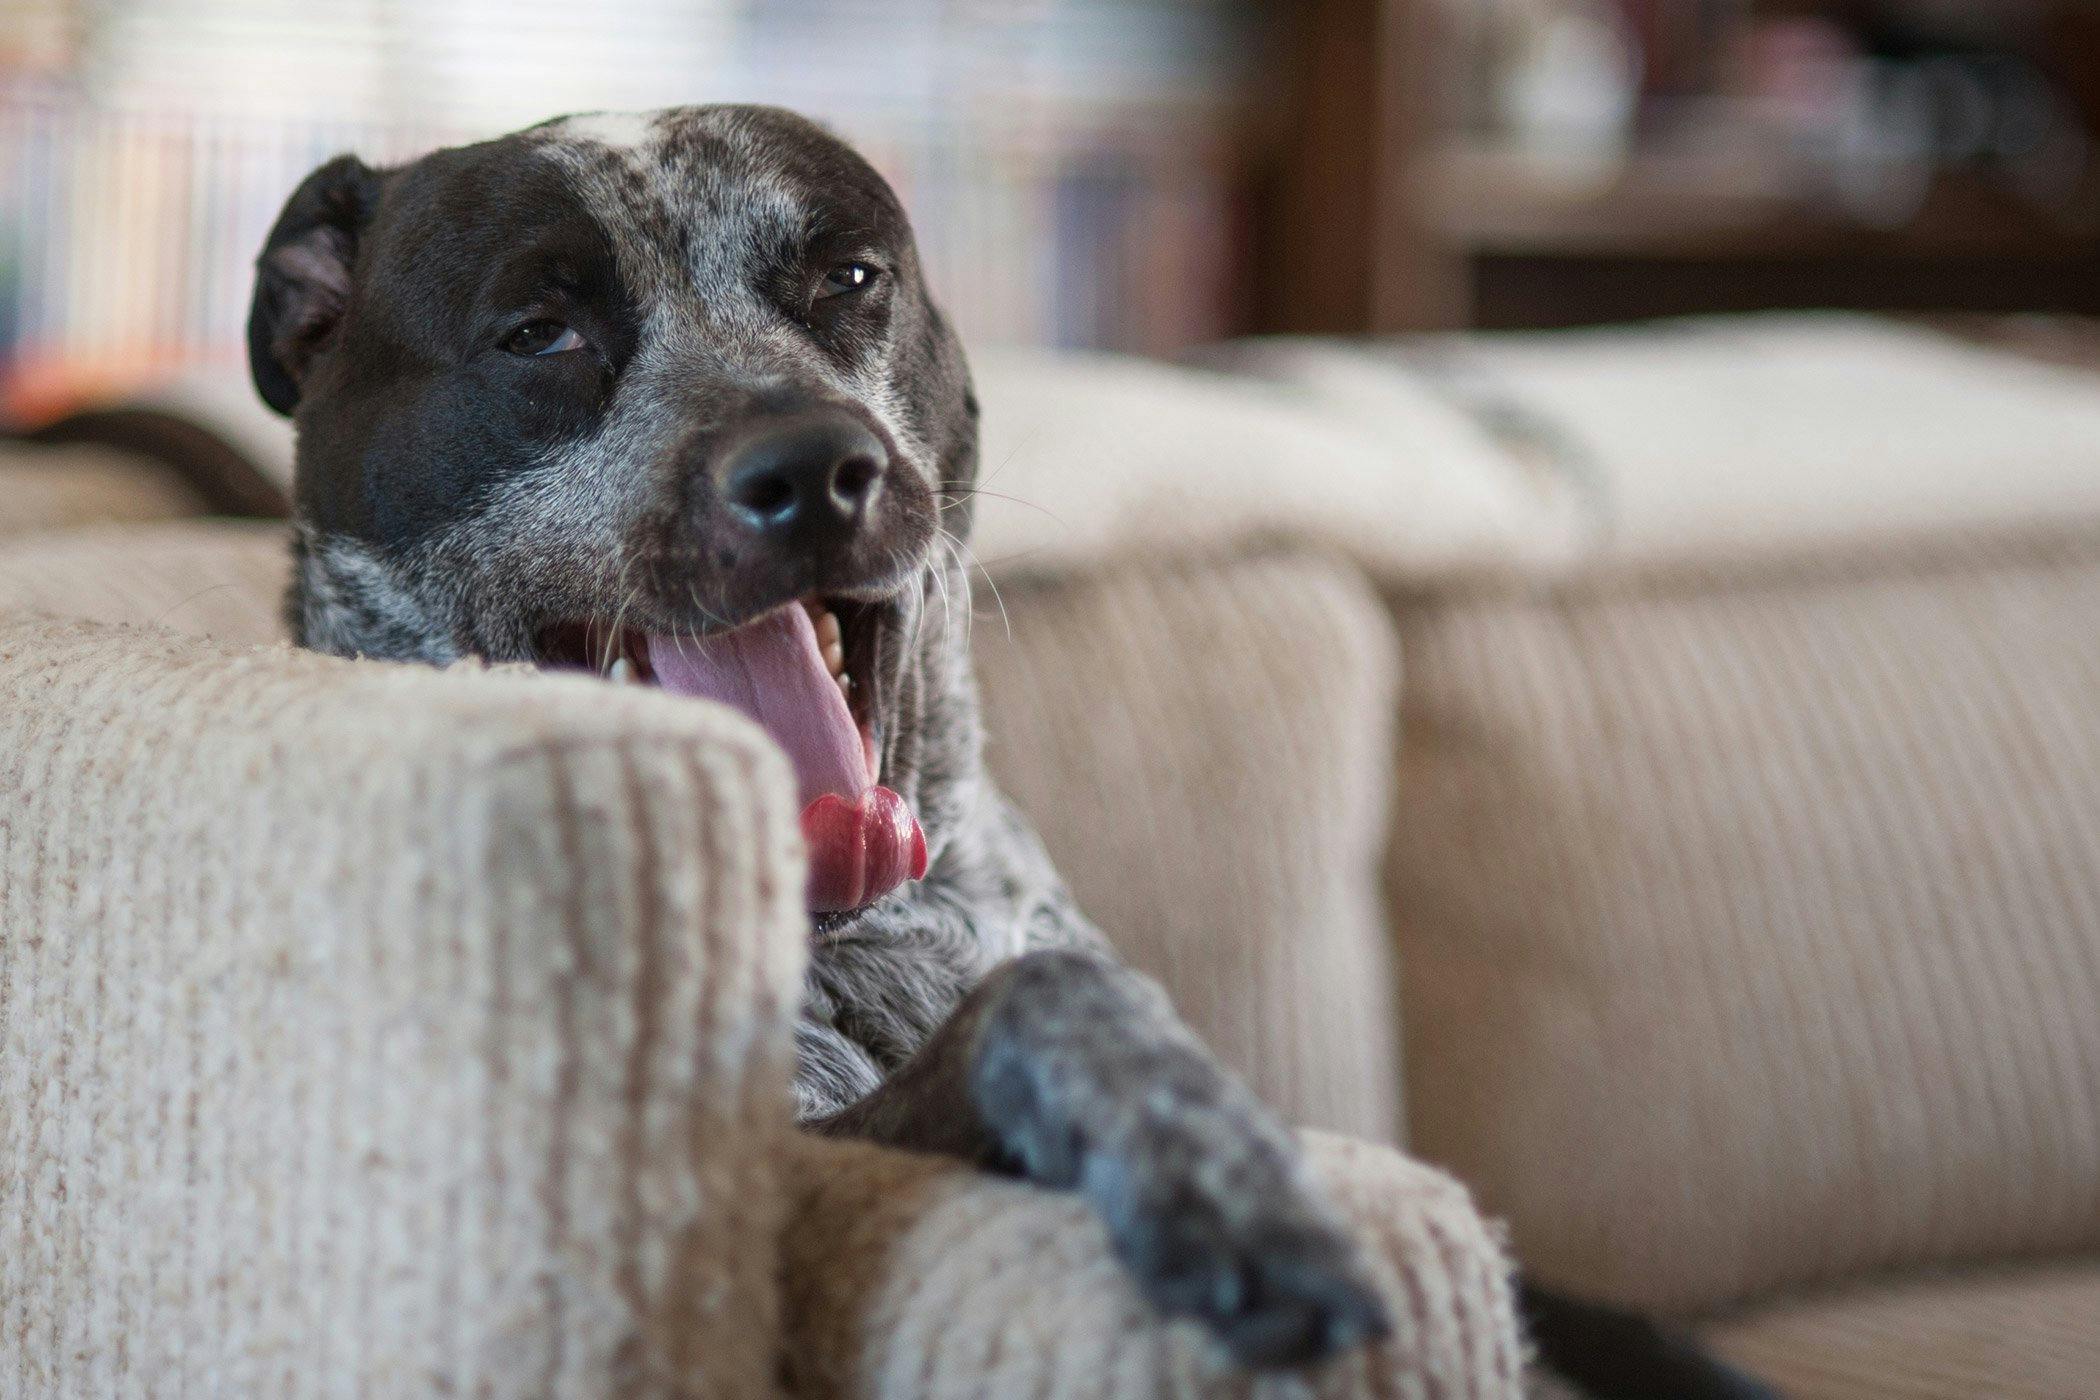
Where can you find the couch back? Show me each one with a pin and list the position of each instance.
(1750, 921)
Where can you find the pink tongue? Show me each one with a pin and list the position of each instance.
(863, 840)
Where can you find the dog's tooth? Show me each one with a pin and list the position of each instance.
(622, 672)
(830, 640)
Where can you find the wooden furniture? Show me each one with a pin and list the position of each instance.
(1379, 214)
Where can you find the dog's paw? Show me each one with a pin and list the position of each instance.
(1276, 1282)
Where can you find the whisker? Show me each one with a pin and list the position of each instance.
(707, 618)
(970, 556)
(1012, 453)
(951, 552)
(1004, 620)
(692, 636)
(178, 607)
(940, 578)
(1001, 496)
(612, 638)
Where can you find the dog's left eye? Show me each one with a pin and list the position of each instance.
(844, 279)
(543, 338)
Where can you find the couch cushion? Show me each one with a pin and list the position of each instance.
(1205, 753)
(2016, 1334)
(1750, 925)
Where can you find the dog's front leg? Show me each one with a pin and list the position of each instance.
(1075, 1073)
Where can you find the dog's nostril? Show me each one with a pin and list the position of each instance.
(854, 480)
(767, 495)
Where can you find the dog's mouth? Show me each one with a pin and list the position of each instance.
(807, 673)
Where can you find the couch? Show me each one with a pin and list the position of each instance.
(1670, 754)
(369, 1030)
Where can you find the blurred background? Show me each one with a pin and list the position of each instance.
(1733, 814)
(1137, 175)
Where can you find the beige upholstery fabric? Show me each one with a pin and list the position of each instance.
(436, 1030)
(1750, 928)
(1688, 441)
(50, 488)
(1246, 741)
(1748, 434)
(1093, 460)
(366, 1030)
(1205, 755)
(220, 579)
(909, 1278)
(2016, 1334)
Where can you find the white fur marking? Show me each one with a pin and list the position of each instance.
(625, 130)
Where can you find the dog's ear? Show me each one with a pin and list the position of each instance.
(302, 277)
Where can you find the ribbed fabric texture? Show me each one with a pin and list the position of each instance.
(911, 1278)
(367, 1031)
(1750, 928)
(51, 488)
(2019, 1334)
(1205, 753)
(260, 763)
(1245, 710)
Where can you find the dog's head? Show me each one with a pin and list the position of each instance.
(659, 397)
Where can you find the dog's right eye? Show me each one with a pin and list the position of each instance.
(543, 338)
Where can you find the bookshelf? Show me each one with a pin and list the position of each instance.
(1398, 213)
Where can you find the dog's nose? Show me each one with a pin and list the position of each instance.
(811, 479)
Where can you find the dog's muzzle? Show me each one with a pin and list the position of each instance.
(798, 495)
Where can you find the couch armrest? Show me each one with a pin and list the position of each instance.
(913, 1278)
(370, 1030)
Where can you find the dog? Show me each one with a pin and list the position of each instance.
(664, 398)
